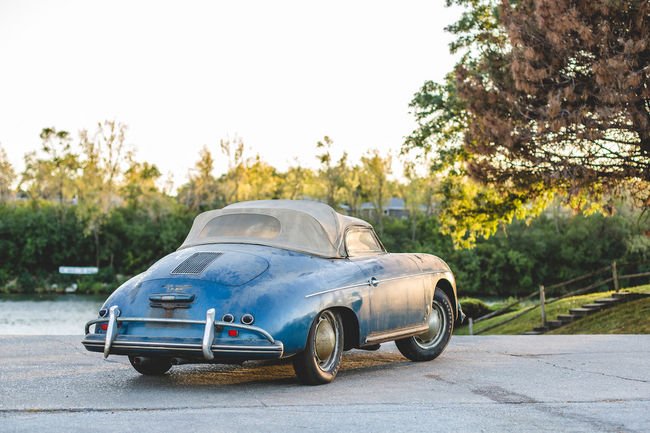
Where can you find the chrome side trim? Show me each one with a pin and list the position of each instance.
(208, 335)
(352, 286)
(393, 335)
(375, 282)
(419, 274)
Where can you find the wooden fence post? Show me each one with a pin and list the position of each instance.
(471, 326)
(542, 301)
(617, 286)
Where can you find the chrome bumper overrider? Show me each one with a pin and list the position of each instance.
(207, 346)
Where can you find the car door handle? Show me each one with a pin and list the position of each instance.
(373, 282)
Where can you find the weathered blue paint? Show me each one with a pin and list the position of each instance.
(274, 285)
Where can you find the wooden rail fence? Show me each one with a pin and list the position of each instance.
(613, 277)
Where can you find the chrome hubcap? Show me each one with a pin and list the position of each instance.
(437, 325)
(325, 341)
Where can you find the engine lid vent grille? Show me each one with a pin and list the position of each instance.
(196, 263)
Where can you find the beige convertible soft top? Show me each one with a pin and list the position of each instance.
(299, 225)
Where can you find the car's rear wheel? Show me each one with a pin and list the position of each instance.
(431, 344)
(150, 366)
(319, 362)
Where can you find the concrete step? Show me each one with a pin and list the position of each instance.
(608, 301)
(554, 323)
(540, 329)
(594, 306)
(566, 318)
(580, 312)
(622, 295)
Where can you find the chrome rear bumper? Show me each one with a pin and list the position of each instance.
(208, 348)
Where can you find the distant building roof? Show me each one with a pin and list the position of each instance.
(393, 203)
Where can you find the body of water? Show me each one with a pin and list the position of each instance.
(47, 314)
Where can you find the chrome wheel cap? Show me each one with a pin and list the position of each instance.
(325, 340)
(437, 325)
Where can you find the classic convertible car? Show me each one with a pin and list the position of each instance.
(278, 279)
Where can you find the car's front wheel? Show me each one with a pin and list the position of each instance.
(150, 366)
(431, 344)
(320, 361)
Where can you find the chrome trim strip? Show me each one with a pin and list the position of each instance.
(376, 282)
(392, 335)
(352, 286)
(208, 334)
(420, 274)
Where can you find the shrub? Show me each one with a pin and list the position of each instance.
(474, 308)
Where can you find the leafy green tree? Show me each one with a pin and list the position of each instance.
(353, 194)
(201, 192)
(7, 176)
(331, 173)
(115, 152)
(419, 193)
(103, 159)
(295, 182)
(230, 183)
(374, 180)
(261, 180)
(139, 188)
(52, 175)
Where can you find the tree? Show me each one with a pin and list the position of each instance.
(115, 153)
(201, 192)
(7, 176)
(419, 193)
(295, 182)
(51, 174)
(330, 173)
(353, 193)
(548, 95)
(374, 180)
(140, 184)
(233, 150)
(261, 180)
(104, 156)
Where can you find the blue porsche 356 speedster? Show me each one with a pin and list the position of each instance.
(278, 279)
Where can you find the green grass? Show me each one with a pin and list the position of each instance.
(533, 318)
(630, 318)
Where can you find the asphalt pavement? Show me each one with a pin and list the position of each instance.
(492, 384)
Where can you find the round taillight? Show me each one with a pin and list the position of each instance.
(228, 318)
(247, 319)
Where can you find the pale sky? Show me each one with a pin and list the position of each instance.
(183, 74)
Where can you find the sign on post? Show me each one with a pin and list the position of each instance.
(78, 270)
(542, 302)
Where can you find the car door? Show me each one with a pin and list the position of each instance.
(396, 287)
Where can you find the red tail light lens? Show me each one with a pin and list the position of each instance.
(233, 333)
(104, 326)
